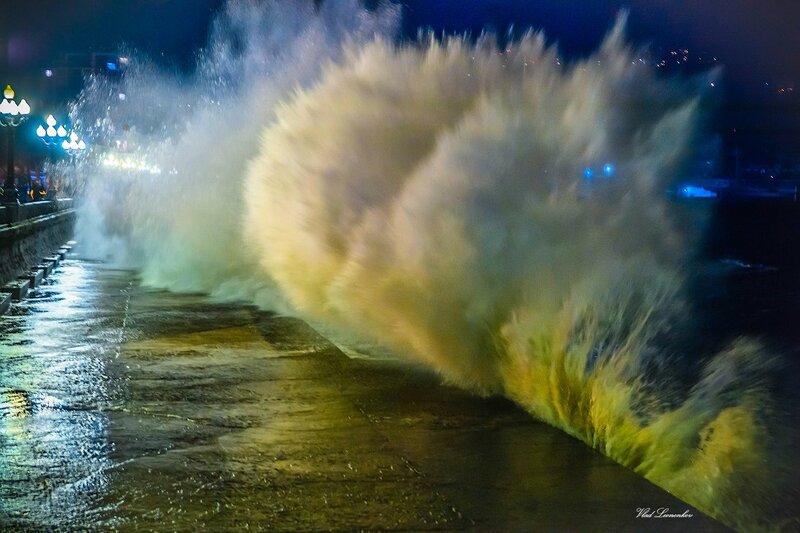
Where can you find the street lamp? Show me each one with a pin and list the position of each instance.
(12, 114)
(51, 136)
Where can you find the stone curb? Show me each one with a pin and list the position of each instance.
(18, 289)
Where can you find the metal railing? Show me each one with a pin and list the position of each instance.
(16, 214)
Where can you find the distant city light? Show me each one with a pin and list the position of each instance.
(693, 191)
(48, 73)
(129, 162)
(607, 171)
(122, 96)
(124, 60)
(111, 66)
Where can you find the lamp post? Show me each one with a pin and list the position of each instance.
(53, 135)
(12, 114)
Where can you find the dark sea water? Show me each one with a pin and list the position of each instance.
(752, 252)
(747, 285)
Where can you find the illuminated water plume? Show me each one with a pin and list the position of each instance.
(433, 197)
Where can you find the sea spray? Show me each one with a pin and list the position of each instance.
(164, 179)
(450, 177)
(493, 212)
(504, 219)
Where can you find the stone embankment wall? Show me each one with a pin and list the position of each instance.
(30, 232)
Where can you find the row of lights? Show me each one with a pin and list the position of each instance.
(12, 114)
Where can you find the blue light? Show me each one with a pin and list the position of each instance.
(111, 66)
(608, 170)
(588, 173)
(692, 191)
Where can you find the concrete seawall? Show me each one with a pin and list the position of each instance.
(30, 232)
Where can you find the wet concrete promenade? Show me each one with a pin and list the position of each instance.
(124, 408)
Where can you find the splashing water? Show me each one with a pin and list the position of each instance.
(434, 197)
(175, 210)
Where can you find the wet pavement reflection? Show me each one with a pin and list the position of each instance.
(131, 409)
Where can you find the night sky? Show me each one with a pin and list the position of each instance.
(36, 32)
(755, 38)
